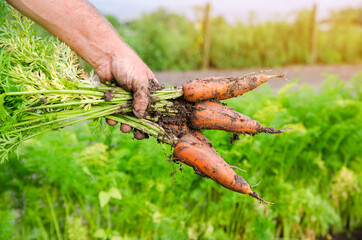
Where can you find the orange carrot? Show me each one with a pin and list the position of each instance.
(214, 115)
(219, 88)
(207, 162)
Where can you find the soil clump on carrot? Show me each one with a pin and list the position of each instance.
(235, 137)
(180, 119)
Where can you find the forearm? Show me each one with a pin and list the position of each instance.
(82, 28)
(77, 24)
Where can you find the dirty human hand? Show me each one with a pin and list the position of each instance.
(129, 72)
(81, 27)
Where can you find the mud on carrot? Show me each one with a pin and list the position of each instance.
(219, 88)
(214, 115)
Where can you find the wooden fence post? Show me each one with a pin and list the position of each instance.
(206, 35)
(313, 36)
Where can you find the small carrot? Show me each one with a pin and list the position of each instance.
(207, 162)
(214, 115)
(219, 88)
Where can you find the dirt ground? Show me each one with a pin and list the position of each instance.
(313, 75)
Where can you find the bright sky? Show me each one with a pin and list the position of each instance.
(232, 10)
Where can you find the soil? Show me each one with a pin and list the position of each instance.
(154, 86)
(43, 100)
(314, 75)
(178, 121)
(235, 137)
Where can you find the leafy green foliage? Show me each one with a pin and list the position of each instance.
(312, 173)
(4, 10)
(28, 64)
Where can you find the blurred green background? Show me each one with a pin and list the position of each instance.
(167, 41)
(55, 189)
(78, 183)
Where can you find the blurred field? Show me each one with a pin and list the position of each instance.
(167, 41)
(170, 42)
(56, 187)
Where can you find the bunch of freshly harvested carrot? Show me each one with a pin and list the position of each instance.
(205, 112)
(43, 88)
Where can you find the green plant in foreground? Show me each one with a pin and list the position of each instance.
(43, 88)
(312, 172)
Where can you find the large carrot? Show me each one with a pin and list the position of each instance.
(207, 162)
(214, 115)
(219, 88)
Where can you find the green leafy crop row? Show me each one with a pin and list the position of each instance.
(72, 184)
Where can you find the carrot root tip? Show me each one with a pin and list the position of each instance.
(258, 72)
(272, 130)
(235, 167)
(279, 76)
(255, 195)
(255, 185)
(284, 76)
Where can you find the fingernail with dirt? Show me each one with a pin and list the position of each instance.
(111, 122)
(139, 113)
(139, 135)
(125, 128)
